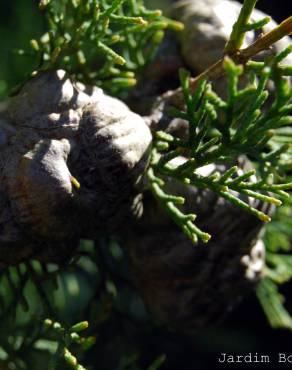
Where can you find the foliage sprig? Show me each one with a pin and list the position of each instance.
(278, 270)
(243, 25)
(65, 338)
(104, 43)
(220, 130)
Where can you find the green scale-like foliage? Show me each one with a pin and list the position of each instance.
(220, 131)
(104, 43)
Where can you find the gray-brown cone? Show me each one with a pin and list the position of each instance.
(57, 135)
(189, 287)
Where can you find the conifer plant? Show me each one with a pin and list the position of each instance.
(89, 189)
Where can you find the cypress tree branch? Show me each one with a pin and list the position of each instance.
(246, 131)
(241, 56)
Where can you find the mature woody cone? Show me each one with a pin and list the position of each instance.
(189, 287)
(54, 132)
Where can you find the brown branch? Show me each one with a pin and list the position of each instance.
(217, 70)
